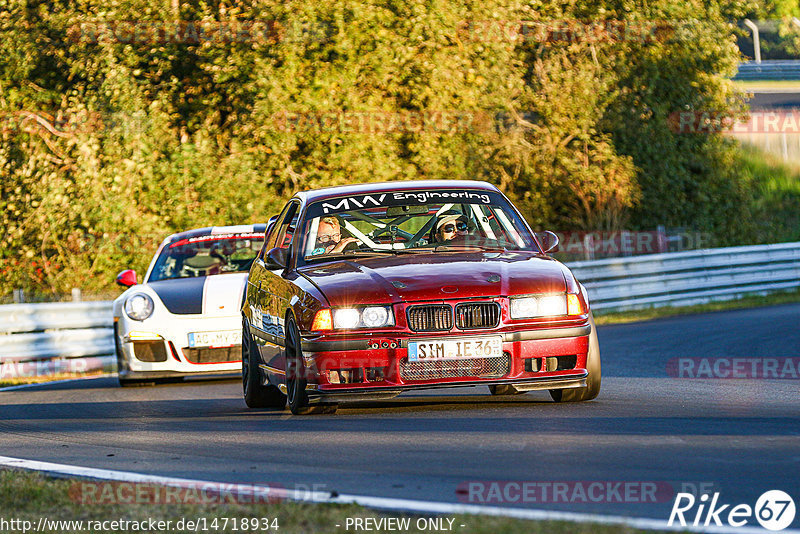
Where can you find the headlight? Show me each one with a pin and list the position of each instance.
(524, 307)
(139, 306)
(541, 306)
(552, 305)
(369, 317)
(346, 318)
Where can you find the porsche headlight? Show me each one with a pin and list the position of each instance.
(540, 306)
(368, 317)
(139, 306)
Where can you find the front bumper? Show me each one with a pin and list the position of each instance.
(159, 347)
(317, 395)
(338, 370)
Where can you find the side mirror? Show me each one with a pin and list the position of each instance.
(548, 240)
(276, 258)
(127, 278)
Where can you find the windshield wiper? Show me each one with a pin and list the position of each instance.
(469, 247)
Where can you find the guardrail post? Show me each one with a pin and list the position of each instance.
(76, 294)
(588, 246)
(756, 41)
(661, 233)
(19, 296)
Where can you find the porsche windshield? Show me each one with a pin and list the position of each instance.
(413, 221)
(207, 255)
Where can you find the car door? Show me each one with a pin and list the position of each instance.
(273, 301)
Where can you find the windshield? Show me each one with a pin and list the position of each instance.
(413, 221)
(207, 255)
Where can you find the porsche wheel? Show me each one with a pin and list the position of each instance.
(296, 373)
(592, 381)
(133, 382)
(256, 394)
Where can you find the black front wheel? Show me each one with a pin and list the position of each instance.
(296, 375)
(504, 389)
(256, 394)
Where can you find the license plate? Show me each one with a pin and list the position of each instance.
(215, 339)
(455, 348)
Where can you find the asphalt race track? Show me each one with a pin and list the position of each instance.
(740, 437)
(775, 99)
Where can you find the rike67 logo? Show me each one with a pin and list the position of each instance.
(774, 510)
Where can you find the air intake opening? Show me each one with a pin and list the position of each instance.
(561, 363)
(345, 376)
(150, 351)
(213, 355)
(532, 365)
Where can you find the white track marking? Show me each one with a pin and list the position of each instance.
(381, 503)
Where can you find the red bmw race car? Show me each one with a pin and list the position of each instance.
(362, 292)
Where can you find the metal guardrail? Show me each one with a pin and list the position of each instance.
(777, 69)
(32, 332)
(687, 278)
(37, 332)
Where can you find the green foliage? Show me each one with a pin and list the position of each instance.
(110, 143)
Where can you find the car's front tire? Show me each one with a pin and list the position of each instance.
(504, 389)
(296, 375)
(592, 388)
(256, 394)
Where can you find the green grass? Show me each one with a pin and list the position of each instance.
(29, 496)
(774, 213)
(753, 301)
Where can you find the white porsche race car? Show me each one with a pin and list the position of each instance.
(185, 318)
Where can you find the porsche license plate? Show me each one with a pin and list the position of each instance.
(215, 339)
(455, 348)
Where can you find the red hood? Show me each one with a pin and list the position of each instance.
(422, 277)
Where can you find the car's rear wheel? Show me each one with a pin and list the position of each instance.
(296, 375)
(592, 388)
(256, 394)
